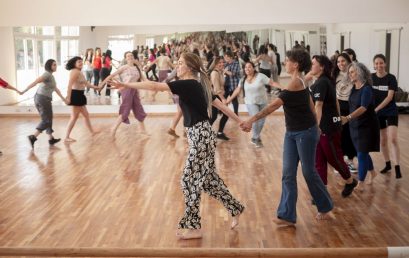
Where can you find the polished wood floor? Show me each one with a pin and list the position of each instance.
(125, 193)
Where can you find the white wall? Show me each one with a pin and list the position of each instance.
(367, 40)
(7, 65)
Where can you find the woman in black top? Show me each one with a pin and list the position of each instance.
(300, 141)
(384, 87)
(329, 121)
(196, 100)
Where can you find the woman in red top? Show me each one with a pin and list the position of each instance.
(106, 70)
(97, 65)
(5, 85)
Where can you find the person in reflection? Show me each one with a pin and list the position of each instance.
(300, 140)
(199, 174)
(75, 96)
(43, 99)
(130, 97)
(6, 85)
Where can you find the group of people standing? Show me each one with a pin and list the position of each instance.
(340, 98)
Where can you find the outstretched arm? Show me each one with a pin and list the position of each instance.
(145, 85)
(273, 106)
(218, 104)
(34, 83)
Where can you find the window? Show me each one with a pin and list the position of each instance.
(119, 45)
(35, 45)
(150, 42)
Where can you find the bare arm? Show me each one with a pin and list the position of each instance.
(117, 72)
(218, 104)
(270, 108)
(235, 93)
(145, 85)
(275, 84)
(60, 95)
(273, 106)
(318, 111)
(357, 113)
(13, 88)
(385, 102)
(34, 83)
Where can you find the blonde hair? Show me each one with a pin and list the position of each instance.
(196, 66)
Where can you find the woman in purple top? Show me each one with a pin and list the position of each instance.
(130, 97)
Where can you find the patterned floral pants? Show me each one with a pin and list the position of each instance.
(200, 175)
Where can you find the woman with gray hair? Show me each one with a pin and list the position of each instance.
(363, 123)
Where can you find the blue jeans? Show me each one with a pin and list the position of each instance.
(301, 145)
(364, 164)
(258, 125)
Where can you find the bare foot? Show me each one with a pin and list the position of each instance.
(281, 222)
(372, 175)
(190, 234)
(173, 133)
(235, 221)
(69, 140)
(322, 216)
(360, 186)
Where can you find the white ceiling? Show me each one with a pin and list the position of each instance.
(198, 12)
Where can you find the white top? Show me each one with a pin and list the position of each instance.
(255, 92)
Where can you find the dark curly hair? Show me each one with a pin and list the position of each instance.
(48, 65)
(71, 63)
(301, 57)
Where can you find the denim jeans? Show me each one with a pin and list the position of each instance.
(301, 145)
(257, 126)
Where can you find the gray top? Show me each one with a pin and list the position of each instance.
(47, 87)
(255, 92)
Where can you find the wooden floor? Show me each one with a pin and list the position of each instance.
(125, 193)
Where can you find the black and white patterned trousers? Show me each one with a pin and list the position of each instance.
(200, 175)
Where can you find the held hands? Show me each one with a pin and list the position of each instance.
(246, 125)
(116, 84)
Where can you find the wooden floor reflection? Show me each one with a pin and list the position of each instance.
(125, 193)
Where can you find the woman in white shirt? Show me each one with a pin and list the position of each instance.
(255, 97)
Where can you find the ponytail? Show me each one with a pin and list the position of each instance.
(207, 89)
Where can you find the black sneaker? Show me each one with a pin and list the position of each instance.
(54, 141)
(222, 136)
(32, 140)
(349, 188)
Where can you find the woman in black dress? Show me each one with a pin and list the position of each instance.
(363, 123)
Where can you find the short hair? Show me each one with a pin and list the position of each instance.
(48, 65)
(381, 56)
(229, 54)
(301, 57)
(71, 63)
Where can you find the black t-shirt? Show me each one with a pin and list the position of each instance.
(192, 101)
(380, 87)
(297, 111)
(323, 90)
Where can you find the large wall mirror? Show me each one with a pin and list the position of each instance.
(33, 45)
